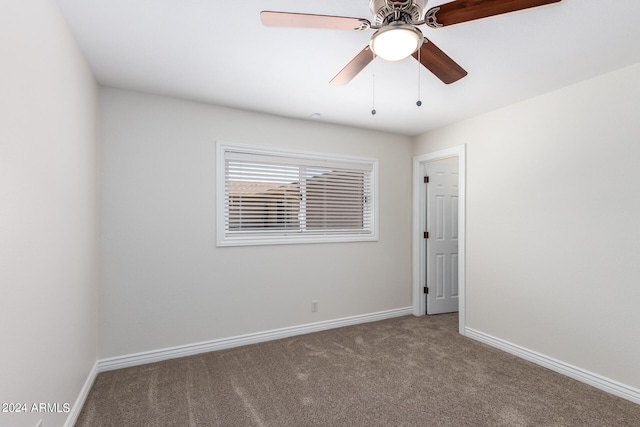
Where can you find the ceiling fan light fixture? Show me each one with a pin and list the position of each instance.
(396, 41)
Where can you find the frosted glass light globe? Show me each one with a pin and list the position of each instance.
(396, 42)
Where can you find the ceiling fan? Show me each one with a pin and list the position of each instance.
(397, 35)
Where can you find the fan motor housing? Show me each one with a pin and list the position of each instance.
(384, 13)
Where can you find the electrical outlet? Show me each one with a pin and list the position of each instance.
(314, 305)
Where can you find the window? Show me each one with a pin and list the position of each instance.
(270, 196)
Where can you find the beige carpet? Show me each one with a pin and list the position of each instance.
(408, 371)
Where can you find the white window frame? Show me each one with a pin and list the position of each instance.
(251, 239)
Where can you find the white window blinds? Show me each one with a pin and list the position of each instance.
(279, 197)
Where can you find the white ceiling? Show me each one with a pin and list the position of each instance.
(218, 52)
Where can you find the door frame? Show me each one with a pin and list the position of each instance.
(419, 224)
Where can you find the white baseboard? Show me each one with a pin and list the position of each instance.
(595, 380)
(126, 361)
(84, 392)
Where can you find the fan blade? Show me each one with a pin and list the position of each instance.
(459, 11)
(439, 63)
(356, 65)
(303, 20)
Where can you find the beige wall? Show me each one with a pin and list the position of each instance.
(553, 231)
(48, 261)
(164, 282)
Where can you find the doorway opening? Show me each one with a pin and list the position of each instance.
(455, 265)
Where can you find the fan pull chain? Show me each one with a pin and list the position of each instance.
(373, 94)
(419, 103)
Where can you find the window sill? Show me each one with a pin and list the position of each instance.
(293, 239)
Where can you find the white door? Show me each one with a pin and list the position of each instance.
(442, 241)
